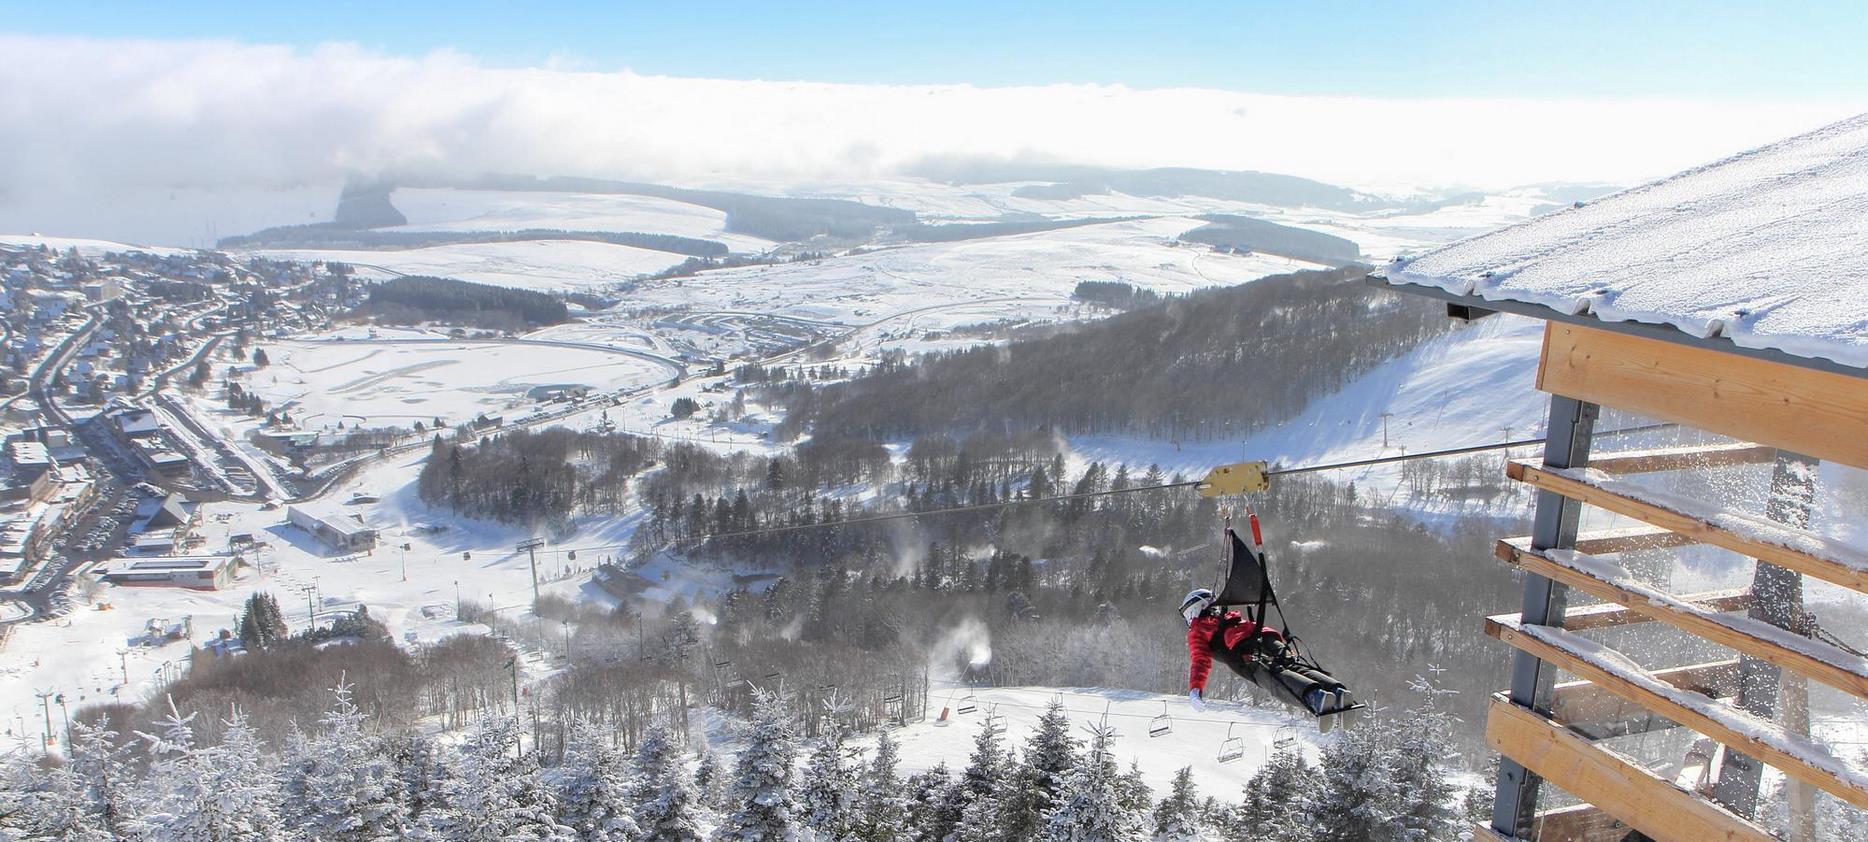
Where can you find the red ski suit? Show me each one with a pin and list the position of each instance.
(1233, 629)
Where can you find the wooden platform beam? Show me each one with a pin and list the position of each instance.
(1794, 408)
(1609, 615)
(1579, 823)
(1579, 702)
(1629, 539)
(1683, 458)
(1794, 755)
(1812, 658)
(1746, 534)
(1623, 789)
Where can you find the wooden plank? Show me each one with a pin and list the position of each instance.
(1794, 755)
(1798, 409)
(1688, 458)
(1577, 702)
(1813, 658)
(1578, 823)
(1484, 833)
(1743, 533)
(1609, 614)
(1629, 539)
(1624, 790)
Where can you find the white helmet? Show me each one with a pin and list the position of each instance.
(1196, 602)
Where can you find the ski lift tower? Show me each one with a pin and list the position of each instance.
(1727, 300)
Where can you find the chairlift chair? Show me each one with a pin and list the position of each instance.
(1161, 725)
(1232, 748)
(967, 704)
(995, 722)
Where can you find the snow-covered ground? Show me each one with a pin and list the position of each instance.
(542, 265)
(1032, 268)
(431, 209)
(399, 381)
(90, 248)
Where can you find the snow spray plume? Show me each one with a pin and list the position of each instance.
(965, 647)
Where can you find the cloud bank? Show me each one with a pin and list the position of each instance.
(82, 115)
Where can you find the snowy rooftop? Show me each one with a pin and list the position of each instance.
(1768, 249)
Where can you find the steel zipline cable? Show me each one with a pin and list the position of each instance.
(1111, 492)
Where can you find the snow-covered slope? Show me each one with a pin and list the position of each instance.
(542, 265)
(429, 209)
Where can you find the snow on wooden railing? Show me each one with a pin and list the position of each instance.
(1611, 582)
(1794, 754)
(1752, 535)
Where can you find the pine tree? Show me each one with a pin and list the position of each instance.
(594, 786)
(933, 804)
(418, 772)
(1177, 817)
(1277, 800)
(339, 783)
(980, 787)
(1050, 754)
(1358, 801)
(1090, 807)
(761, 797)
(492, 796)
(1417, 769)
(108, 785)
(709, 781)
(827, 797)
(46, 802)
(667, 806)
(884, 813)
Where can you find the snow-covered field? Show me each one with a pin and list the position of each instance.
(542, 265)
(398, 381)
(429, 209)
(84, 246)
(1032, 268)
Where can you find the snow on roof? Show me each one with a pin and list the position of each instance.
(1768, 248)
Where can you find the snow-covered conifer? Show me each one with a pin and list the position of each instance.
(1277, 800)
(339, 783)
(1050, 754)
(1090, 806)
(1358, 799)
(594, 786)
(709, 779)
(884, 809)
(827, 797)
(760, 800)
(667, 805)
(933, 804)
(1177, 817)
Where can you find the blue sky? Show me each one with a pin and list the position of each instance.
(1707, 51)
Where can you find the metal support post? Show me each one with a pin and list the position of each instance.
(1566, 445)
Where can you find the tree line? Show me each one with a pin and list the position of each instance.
(329, 235)
(1212, 365)
(421, 298)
